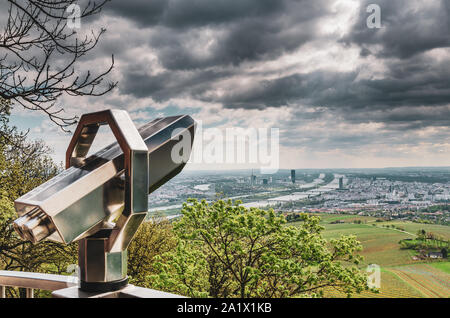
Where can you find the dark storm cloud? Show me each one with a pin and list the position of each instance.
(250, 40)
(242, 30)
(167, 85)
(314, 89)
(193, 13)
(202, 44)
(408, 28)
(142, 12)
(418, 82)
(405, 118)
(239, 32)
(412, 94)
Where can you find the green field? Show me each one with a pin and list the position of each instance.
(412, 227)
(328, 218)
(401, 276)
(443, 266)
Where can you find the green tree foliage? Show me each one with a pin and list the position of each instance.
(153, 238)
(23, 166)
(421, 234)
(226, 250)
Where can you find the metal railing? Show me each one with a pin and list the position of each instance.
(67, 287)
(31, 281)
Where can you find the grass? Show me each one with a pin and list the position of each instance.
(412, 227)
(380, 245)
(401, 276)
(430, 281)
(391, 287)
(443, 266)
(328, 218)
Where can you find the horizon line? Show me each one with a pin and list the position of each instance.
(355, 168)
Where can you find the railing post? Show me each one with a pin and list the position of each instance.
(2, 292)
(29, 293)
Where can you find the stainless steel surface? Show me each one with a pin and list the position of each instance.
(29, 292)
(135, 165)
(36, 280)
(101, 200)
(82, 198)
(99, 265)
(128, 292)
(67, 287)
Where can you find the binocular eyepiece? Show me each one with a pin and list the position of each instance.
(34, 226)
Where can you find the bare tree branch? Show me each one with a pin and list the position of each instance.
(40, 56)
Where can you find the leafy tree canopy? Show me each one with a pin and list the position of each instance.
(226, 250)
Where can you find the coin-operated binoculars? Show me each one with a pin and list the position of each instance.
(100, 201)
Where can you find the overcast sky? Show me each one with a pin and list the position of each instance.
(342, 94)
